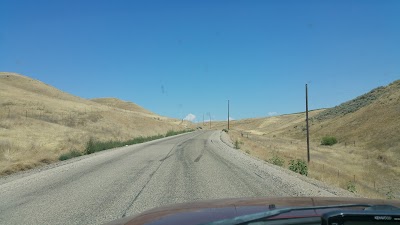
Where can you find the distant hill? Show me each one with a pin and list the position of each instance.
(268, 125)
(38, 122)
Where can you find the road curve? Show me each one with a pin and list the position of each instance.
(108, 185)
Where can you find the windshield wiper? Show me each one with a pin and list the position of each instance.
(263, 215)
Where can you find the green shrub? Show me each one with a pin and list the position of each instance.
(90, 147)
(389, 194)
(237, 145)
(93, 146)
(172, 132)
(276, 160)
(351, 187)
(139, 140)
(328, 140)
(225, 130)
(298, 166)
(71, 154)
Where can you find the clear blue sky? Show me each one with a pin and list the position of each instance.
(181, 57)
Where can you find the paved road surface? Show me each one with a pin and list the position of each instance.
(98, 188)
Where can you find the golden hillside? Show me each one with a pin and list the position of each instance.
(372, 119)
(39, 122)
(117, 103)
(367, 129)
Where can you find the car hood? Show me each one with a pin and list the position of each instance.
(212, 210)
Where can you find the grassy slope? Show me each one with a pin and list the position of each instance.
(117, 103)
(39, 122)
(367, 129)
(376, 125)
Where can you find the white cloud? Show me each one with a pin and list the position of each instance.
(231, 118)
(272, 113)
(190, 117)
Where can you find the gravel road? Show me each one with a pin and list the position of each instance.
(108, 185)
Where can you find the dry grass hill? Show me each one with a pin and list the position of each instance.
(39, 122)
(367, 155)
(117, 103)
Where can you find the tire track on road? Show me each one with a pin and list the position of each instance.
(155, 171)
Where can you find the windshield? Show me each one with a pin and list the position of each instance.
(112, 108)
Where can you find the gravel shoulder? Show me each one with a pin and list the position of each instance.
(303, 185)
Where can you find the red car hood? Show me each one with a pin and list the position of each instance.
(212, 210)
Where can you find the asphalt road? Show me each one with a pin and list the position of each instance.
(108, 185)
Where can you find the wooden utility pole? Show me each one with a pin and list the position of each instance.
(203, 119)
(308, 133)
(210, 120)
(228, 114)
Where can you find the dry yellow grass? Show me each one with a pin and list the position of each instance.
(39, 122)
(117, 103)
(368, 152)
